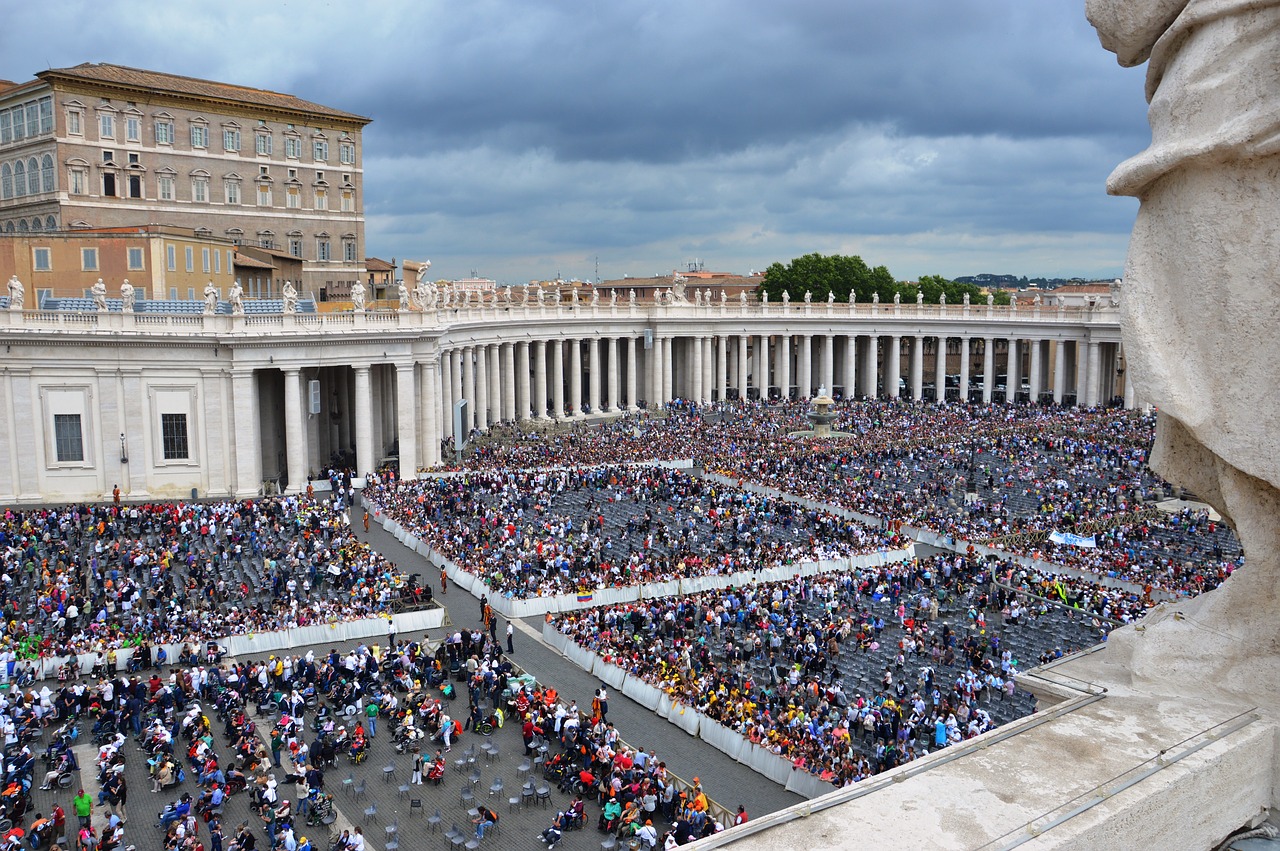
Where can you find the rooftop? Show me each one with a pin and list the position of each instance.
(124, 77)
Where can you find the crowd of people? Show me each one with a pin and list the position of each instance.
(559, 531)
(849, 674)
(98, 578)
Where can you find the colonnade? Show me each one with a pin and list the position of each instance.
(569, 377)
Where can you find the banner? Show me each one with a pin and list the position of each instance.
(1072, 540)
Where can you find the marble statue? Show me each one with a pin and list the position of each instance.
(822, 391)
(786, 297)
(706, 296)
(127, 296)
(210, 299)
(991, 299)
(831, 298)
(402, 296)
(573, 295)
(524, 295)
(697, 297)
(1035, 300)
(421, 274)
(613, 297)
(1013, 302)
(290, 294)
(507, 292)
(678, 287)
(764, 297)
(966, 299)
(942, 299)
(99, 293)
(17, 293)
(357, 296)
(631, 296)
(542, 296)
(897, 298)
(236, 297)
(875, 297)
(742, 298)
(724, 298)
(919, 297)
(556, 296)
(1208, 187)
(808, 297)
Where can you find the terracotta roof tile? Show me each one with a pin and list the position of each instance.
(137, 78)
(250, 262)
(376, 264)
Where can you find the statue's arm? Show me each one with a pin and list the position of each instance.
(1130, 29)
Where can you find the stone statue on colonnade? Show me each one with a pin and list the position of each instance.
(17, 293)
(127, 296)
(403, 299)
(236, 297)
(421, 275)
(357, 296)
(99, 293)
(210, 299)
(1200, 281)
(290, 294)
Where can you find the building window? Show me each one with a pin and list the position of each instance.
(171, 256)
(68, 439)
(135, 260)
(322, 248)
(199, 136)
(232, 191)
(295, 246)
(173, 436)
(79, 181)
(6, 126)
(46, 173)
(33, 177)
(217, 262)
(263, 142)
(19, 179)
(264, 196)
(293, 198)
(109, 184)
(191, 259)
(19, 125)
(135, 186)
(320, 150)
(347, 153)
(204, 260)
(231, 256)
(41, 260)
(46, 115)
(88, 259)
(164, 132)
(37, 225)
(349, 250)
(165, 182)
(200, 189)
(322, 199)
(6, 181)
(75, 123)
(348, 201)
(106, 125)
(22, 226)
(292, 147)
(133, 128)
(33, 120)
(50, 223)
(230, 139)
(266, 239)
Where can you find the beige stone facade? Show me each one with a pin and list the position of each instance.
(103, 145)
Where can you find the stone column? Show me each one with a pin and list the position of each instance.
(917, 367)
(495, 383)
(762, 367)
(407, 419)
(940, 369)
(668, 370)
(481, 396)
(964, 369)
(365, 462)
(471, 416)
(653, 366)
(1082, 363)
(804, 367)
(434, 410)
(827, 377)
(523, 404)
(708, 368)
(557, 379)
(784, 366)
(248, 441)
(455, 375)
(446, 402)
(744, 370)
(615, 386)
(873, 367)
(893, 366)
(1059, 370)
(1013, 371)
(633, 389)
(988, 369)
(1093, 374)
(1037, 347)
(575, 376)
(509, 382)
(295, 451)
(850, 366)
(722, 368)
(695, 371)
(593, 379)
(539, 380)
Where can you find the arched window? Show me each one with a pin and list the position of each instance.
(19, 179)
(6, 181)
(22, 225)
(50, 223)
(36, 224)
(8, 227)
(46, 173)
(33, 177)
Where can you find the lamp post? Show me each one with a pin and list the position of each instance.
(124, 450)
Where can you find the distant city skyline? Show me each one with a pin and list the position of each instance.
(523, 140)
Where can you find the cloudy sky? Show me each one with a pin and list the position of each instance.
(524, 138)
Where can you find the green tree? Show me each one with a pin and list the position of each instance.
(821, 275)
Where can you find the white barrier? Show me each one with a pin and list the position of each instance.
(767, 763)
(642, 693)
(685, 717)
(610, 674)
(721, 738)
(805, 784)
